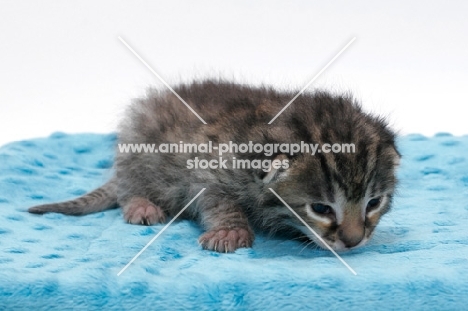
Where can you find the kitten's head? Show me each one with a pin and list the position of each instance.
(336, 197)
(341, 196)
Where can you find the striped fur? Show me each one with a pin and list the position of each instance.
(100, 199)
(150, 187)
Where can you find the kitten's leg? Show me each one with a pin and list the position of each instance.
(228, 229)
(141, 211)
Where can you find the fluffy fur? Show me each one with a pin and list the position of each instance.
(341, 196)
(417, 258)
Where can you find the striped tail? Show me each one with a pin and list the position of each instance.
(100, 199)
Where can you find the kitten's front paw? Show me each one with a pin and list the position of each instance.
(226, 240)
(140, 211)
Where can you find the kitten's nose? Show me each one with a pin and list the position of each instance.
(351, 238)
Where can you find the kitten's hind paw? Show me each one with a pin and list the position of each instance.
(140, 211)
(226, 240)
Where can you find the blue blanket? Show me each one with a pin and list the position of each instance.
(417, 259)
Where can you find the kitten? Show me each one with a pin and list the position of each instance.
(342, 196)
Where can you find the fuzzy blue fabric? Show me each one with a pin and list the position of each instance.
(418, 258)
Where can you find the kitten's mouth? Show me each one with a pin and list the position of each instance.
(341, 247)
(338, 245)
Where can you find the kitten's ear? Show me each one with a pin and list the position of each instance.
(276, 170)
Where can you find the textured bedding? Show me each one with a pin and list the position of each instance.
(418, 258)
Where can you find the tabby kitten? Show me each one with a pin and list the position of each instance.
(342, 196)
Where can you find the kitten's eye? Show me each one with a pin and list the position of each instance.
(321, 208)
(373, 204)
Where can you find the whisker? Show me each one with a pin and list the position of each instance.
(310, 242)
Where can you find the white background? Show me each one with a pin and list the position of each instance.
(62, 67)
